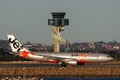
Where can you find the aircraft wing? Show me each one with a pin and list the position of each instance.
(58, 58)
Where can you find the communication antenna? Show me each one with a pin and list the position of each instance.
(58, 22)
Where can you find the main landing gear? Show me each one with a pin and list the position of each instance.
(61, 64)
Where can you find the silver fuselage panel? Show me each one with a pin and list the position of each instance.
(87, 57)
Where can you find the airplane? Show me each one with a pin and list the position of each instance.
(61, 59)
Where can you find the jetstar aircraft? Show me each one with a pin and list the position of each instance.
(62, 59)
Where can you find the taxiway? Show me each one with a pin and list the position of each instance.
(33, 64)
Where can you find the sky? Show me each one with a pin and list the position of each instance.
(89, 20)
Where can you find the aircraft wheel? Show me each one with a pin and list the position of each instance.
(61, 64)
(81, 64)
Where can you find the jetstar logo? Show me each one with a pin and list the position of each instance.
(80, 55)
(16, 44)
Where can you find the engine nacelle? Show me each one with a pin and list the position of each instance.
(72, 62)
(75, 63)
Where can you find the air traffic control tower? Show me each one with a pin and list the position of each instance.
(58, 22)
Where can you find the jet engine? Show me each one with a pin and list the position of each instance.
(75, 63)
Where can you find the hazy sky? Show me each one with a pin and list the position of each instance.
(90, 20)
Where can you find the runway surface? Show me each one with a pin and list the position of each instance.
(11, 65)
